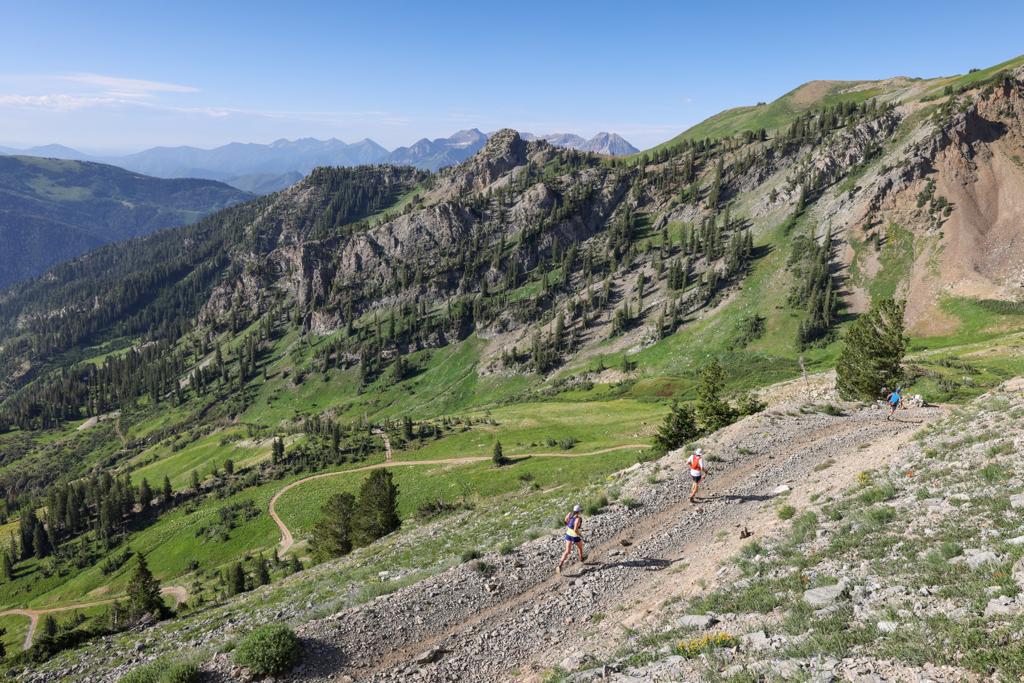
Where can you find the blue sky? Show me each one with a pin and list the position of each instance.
(123, 76)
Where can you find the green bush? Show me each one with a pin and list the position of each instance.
(470, 555)
(150, 673)
(786, 512)
(268, 650)
(595, 505)
(485, 569)
(161, 671)
(181, 673)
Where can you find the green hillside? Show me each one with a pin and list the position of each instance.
(52, 210)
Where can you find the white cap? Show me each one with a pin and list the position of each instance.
(577, 508)
(699, 451)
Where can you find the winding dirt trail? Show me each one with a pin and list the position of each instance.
(180, 594)
(637, 559)
(287, 540)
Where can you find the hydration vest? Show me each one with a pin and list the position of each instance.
(695, 462)
(570, 524)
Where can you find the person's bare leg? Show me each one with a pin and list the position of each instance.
(693, 491)
(579, 547)
(568, 549)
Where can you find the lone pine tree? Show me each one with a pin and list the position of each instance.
(332, 535)
(376, 512)
(872, 354)
(143, 592)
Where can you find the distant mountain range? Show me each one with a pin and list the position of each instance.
(262, 169)
(52, 210)
(602, 143)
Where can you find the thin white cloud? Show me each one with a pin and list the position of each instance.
(125, 85)
(56, 102)
(67, 102)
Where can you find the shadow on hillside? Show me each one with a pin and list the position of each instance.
(750, 498)
(645, 563)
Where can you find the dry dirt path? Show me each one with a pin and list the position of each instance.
(460, 625)
(180, 594)
(287, 540)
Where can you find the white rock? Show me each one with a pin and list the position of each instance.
(1016, 541)
(888, 626)
(823, 596)
(700, 621)
(1001, 606)
(757, 640)
(1017, 500)
(1018, 572)
(779, 490)
(573, 661)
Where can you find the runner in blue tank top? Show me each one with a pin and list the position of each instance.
(573, 537)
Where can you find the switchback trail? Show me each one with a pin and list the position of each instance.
(458, 625)
(180, 594)
(287, 540)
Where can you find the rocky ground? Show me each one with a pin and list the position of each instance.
(829, 544)
(509, 616)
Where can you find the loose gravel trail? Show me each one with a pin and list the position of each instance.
(287, 540)
(463, 625)
(180, 594)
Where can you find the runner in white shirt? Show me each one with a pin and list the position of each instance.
(696, 463)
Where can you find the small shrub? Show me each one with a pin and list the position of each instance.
(182, 672)
(864, 479)
(697, 646)
(822, 466)
(149, 673)
(506, 548)
(786, 512)
(877, 494)
(268, 650)
(749, 404)
(470, 555)
(831, 409)
(162, 671)
(595, 505)
(881, 515)
(484, 569)
(803, 526)
(630, 503)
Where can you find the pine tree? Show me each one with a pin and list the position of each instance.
(143, 592)
(872, 354)
(711, 411)
(194, 484)
(40, 541)
(332, 535)
(235, 583)
(680, 427)
(262, 571)
(145, 495)
(376, 512)
(498, 455)
(47, 633)
(6, 566)
(168, 492)
(277, 453)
